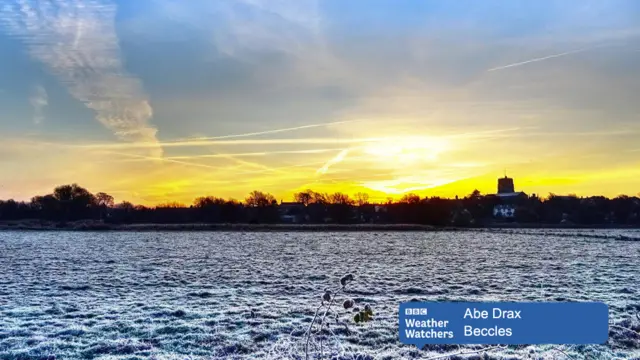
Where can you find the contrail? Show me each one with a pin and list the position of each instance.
(338, 158)
(539, 59)
(254, 154)
(274, 131)
(198, 143)
(161, 159)
(251, 164)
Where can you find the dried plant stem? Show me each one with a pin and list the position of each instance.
(563, 352)
(324, 317)
(308, 332)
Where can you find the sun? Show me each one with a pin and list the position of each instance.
(413, 163)
(406, 150)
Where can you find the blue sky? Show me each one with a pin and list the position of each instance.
(140, 97)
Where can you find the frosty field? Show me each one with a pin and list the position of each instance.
(239, 295)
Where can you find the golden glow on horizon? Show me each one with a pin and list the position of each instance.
(430, 165)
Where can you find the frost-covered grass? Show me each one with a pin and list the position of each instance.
(252, 295)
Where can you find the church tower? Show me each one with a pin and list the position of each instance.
(505, 185)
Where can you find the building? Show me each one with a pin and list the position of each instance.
(505, 185)
(505, 211)
(507, 192)
(508, 199)
(292, 212)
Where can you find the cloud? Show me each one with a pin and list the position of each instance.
(77, 42)
(270, 78)
(38, 99)
(265, 25)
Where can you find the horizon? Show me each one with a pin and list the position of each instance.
(354, 197)
(161, 101)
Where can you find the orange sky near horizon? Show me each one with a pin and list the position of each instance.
(446, 166)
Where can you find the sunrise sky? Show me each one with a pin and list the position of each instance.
(165, 100)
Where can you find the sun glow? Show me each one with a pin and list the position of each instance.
(410, 161)
(401, 151)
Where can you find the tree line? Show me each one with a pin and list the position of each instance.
(73, 203)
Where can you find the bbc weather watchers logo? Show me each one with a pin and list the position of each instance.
(415, 311)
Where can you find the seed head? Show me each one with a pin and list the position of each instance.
(346, 279)
(348, 304)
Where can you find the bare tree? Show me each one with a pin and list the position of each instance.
(104, 200)
(125, 205)
(260, 199)
(475, 194)
(305, 197)
(206, 201)
(362, 198)
(319, 198)
(410, 199)
(171, 205)
(340, 199)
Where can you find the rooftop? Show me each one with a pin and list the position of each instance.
(511, 194)
(285, 203)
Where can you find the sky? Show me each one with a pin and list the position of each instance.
(166, 100)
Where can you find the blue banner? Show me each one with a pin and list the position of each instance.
(508, 323)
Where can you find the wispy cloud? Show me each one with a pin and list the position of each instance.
(244, 33)
(39, 99)
(77, 42)
(540, 59)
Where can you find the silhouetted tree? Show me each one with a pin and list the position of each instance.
(260, 199)
(125, 212)
(319, 198)
(14, 210)
(340, 207)
(622, 209)
(105, 200)
(47, 206)
(209, 208)
(232, 212)
(261, 207)
(410, 199)
(339, 198)
(362, 198)
(305, 197)
(74, 201)
(171, 205)
(206, 201)
(125, 205)
(172, 212)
